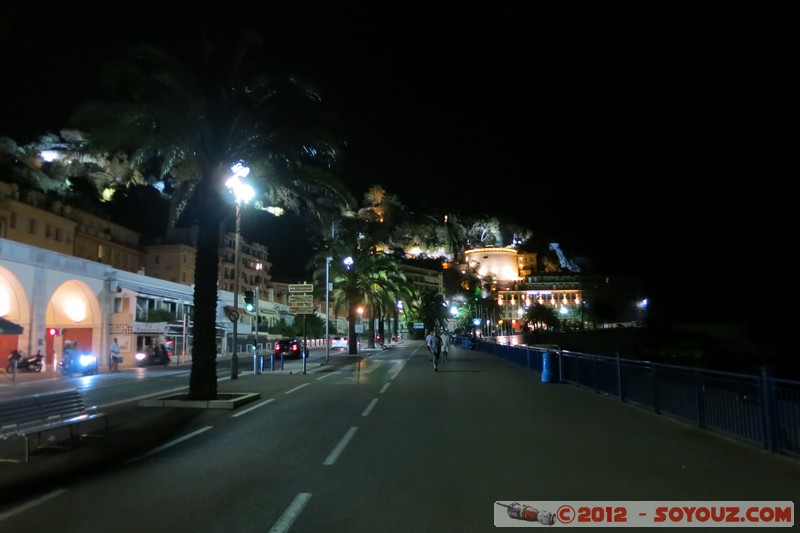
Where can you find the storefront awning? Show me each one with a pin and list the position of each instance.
(158, 292)
(9, 328)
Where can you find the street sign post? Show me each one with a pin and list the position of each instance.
(301, 301)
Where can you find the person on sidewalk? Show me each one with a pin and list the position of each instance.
(445, 347)
(436, 349)
(113, 365)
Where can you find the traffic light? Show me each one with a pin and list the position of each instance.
(54, 332)
(249, 301)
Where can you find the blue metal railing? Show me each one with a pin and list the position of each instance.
(759, 409)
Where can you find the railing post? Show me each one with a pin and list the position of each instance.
(619, 380)
(560, 365)
(656, 397)
(768, 410)
(701, 419)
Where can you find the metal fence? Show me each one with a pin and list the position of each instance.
(759, 409)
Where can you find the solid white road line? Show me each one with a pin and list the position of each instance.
(369, 407)
(297, 388)
(337, 451)
(291, 513)
(256, 406)
(169, 444)
(31, 504)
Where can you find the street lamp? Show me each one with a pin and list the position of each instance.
(399, 311)
(243, 193)
(327, 309)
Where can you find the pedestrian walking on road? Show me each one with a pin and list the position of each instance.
(428, 341)
(445, 347)
(436, 349)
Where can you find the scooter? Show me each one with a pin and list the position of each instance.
(25, 364)
(84, 363)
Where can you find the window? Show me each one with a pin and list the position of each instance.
(32, 226)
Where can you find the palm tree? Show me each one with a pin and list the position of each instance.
(431, 309)
(359, 276)
(540, 317)
(198, 122)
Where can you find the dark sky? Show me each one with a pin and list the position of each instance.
(659, 139)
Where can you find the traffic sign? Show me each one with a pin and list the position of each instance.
(303, 287)
(301, 309)
(301, 299)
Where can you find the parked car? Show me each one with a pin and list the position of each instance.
(340, 343)
(290, 348)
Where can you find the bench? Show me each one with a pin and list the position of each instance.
(48, 420)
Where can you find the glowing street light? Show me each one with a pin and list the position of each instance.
(242, 193)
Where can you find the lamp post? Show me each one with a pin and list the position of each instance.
(243, 193)
(327, 309)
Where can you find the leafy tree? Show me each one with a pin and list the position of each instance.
(200, 118)
(313, 324)
(539, 316)
(282, 328)
(430, 308)
(485, 232)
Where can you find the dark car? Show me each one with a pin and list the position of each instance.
(290, 348)
(153, 355)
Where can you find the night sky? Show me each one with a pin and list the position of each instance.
(658, 139)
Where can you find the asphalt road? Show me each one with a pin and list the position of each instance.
(377, 443)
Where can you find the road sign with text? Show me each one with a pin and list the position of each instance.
(301, 309)
(303, 287)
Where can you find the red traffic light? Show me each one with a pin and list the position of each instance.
(52, 332)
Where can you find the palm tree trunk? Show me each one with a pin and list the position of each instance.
(203, 378)
(352, 304)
